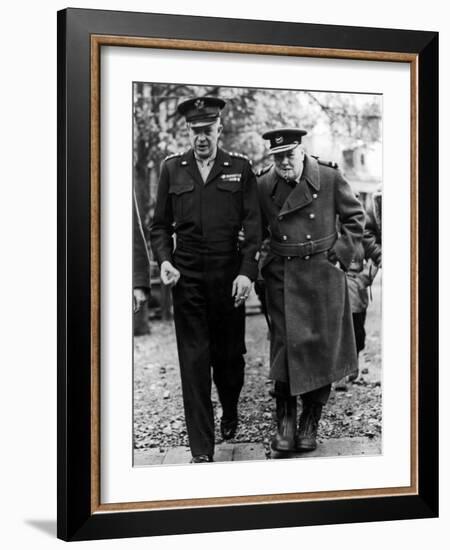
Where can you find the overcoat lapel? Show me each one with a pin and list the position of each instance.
(278, 191)
(298, 198)
(311, 172)
(301, 194)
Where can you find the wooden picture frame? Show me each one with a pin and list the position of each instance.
(81, 35)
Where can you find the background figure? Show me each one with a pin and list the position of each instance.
(361, 275)
(141, 261)
(312, 340)
(372, 232)
(205, 197)
(363, 270)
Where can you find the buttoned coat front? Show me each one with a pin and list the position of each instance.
(312, 340)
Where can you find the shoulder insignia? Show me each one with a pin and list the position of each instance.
(173, 155)
(264, 170)
(238, 155)
(330, 163)
(235, 155)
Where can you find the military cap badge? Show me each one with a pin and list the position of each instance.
(201, 111)
(284, 139)
(200, 104)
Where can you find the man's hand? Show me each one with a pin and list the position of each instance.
(169, 274)
(241, 289)
(140, 296)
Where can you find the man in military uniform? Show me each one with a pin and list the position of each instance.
(205, 197)
(312, 340)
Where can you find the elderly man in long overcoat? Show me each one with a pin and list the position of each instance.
(303, 201)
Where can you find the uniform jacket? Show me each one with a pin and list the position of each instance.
(312, 340)
(209, 213)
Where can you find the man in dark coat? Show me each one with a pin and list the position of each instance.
(312, 342)
(205, 197)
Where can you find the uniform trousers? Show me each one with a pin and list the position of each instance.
(210, 335)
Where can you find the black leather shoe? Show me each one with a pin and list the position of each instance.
(201, 458)
(228, 428)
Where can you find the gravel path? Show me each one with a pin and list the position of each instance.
(158, 410)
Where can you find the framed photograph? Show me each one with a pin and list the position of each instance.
(247, 286)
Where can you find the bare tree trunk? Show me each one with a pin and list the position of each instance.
(140, 181)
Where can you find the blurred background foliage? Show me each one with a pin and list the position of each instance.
(342, 127)
(334, 121)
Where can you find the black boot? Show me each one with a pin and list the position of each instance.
(228, 426)
(229, 420)
(307, 427)
(284, 439)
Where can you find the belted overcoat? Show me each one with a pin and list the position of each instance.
(312, 339)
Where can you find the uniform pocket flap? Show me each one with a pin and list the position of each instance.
(229, 185)
(180, 188)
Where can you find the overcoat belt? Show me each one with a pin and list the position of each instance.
(312, 338)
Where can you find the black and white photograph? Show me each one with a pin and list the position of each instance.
(257, 274)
